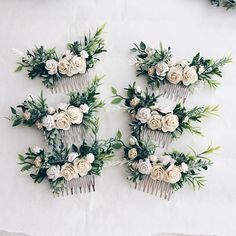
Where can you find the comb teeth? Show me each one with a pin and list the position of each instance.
(154, 187)
(162, 140)
(175, 92)
(79, 82)
(76, 135)
(78, 186)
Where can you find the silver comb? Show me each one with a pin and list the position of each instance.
(162, 139)
(79, 82)
(154, 187)
(76, 135)
(77, 186)
(174, 92)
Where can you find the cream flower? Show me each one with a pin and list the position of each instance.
(38, 162)
(170, 123)
(78, 65)
(183, 167)
(82, 166)
(154, 122)
(161, 68)
(69, 172)
(173, 174)
(132, 141)
(84, 54)
(75, 115)
(152, 158)
(190, 75)
(134, 102)
(166, 159)
(71, 157)
(37, 149)
(48, 122)
(68, 55)
(51, 66)
(84, 108)
(51, 110)
(62, 121)
(175, 75)
(144, 167)
(143, 115)
(63, 66)
(26, 115)
(158, 173)
(132, 153)
(54, 172)
(151, 70)
(90, 157)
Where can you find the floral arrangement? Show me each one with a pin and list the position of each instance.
(51, 68)
(228, 4)
(79, 112)
(176, 77)
(164, 173)
(68, 169)
(162, 123)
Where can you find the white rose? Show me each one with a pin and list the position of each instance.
(69, 172)
(51, 110)
(166, 159)
(158, 173)
(132, 153)
(175, 75)
(132, 141)
(51, 66)
(143, 115)
(173, 174)
(48, 122)
(170, 123)
(77, 66)
(62, 106)
(38, 162)
(54, 172)
(134, 102)
(154, 122)
(26, 115)
(75, 115)
(183, 167)
(62, 121)
(161, 68)
(82, 166)
(144, 167)
(152, 158)
(84, 108)
(189, 75)
(37, 149)
(84, 54)
(71, 157)
(63, 66)
(90, 157)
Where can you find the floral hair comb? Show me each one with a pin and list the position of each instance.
(70, 121)
(176, 79)
(163, 174)
(67, 72)
(228, 4)
(68, 170)
(156, 121)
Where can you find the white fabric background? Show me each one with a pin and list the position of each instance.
(115, 209)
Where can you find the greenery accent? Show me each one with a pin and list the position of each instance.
(35, 60)
(32, 111)
(148, 58)
(228, 4)
(37, 163)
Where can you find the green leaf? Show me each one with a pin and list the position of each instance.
(117, 145)
(21, 157)
(113, 90)
(116, 100)
(118, 134)
(19, 68)
(24, 168)
(13, 110)
(142, 46)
